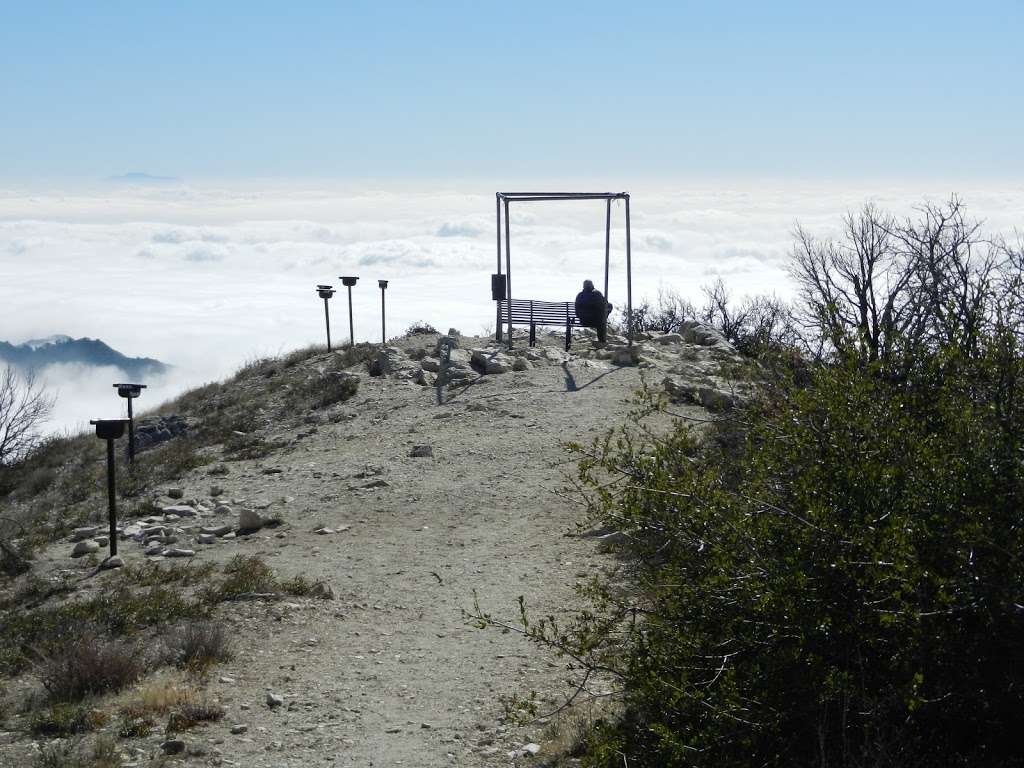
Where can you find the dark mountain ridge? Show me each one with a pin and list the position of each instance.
(84, 351)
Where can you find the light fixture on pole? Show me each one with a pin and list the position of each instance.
(383, 322)
(348, 282)
(325, 292)
(129, 392)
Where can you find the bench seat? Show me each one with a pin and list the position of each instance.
(533, 313)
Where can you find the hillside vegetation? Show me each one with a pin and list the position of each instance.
(831, 575)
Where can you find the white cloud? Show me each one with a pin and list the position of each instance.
(205, 278)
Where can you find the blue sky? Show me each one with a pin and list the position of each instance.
(485, 89)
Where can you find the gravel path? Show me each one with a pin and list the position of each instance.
(389, 672)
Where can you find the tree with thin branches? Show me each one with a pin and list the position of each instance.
(24, 406)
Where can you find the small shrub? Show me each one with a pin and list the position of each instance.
(302, 355)
(248, 447)
(158, 696)
(149, 574)
(134, 727)
(66, 720)
(103, 753)
(191, 714)
(198, 645)
(299, 586)
(360, 354)
(420, 327)
(26, 634)
(90, 665)
(250, 575)
(246, 574)
(327, 389)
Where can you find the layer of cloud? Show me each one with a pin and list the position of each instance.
(205, 278)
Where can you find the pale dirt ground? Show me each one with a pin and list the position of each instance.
(390, 673)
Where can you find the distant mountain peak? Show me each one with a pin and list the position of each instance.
(57, 338)
(61, 348)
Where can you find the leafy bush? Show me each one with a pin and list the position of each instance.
(836, 582)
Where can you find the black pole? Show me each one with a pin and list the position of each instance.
(629, 281)
(383, 324)
(131, 434)
(508, 276)
(111, 497)
(607, 245)
(327, 320)
(351, 332)
(497, 304)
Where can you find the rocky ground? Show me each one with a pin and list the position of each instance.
(403, 502)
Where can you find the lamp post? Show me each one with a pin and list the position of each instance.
(111, 430)
(325, 292)
(383, 322)
(348, 282)
(129, 392)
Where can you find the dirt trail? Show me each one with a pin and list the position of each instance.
(389, 672)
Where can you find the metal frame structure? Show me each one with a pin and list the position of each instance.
(503, 199)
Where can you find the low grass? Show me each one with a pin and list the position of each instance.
(26, 635)
(150, 574)
(250, 575)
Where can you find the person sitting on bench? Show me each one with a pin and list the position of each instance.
(592, 309)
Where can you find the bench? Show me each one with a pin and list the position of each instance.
(533, 313)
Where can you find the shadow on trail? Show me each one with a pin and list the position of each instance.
(570, 380)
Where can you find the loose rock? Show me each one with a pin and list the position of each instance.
(250, 520)
(421, 452)
(86, 547)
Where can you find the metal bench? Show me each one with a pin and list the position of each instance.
(533, 313)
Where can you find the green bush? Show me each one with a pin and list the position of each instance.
(834, 578)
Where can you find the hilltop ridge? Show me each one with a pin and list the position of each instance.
(398, 488)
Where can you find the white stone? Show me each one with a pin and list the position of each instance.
(250, 520)
(86, 547)
(181, 510)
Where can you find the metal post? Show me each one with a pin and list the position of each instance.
(497, 304)
(351, 331)
(131, 434)
(111, 497)
(327, 320)
(508, 276)
(629, 281)
(383, 322)
(607, 245)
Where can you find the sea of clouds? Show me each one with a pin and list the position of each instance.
(205, 277)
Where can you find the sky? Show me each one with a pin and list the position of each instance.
(305, 140)
(446, 90)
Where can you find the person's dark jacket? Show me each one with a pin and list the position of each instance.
(591, 308)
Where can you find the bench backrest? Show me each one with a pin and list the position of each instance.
(540, 312)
